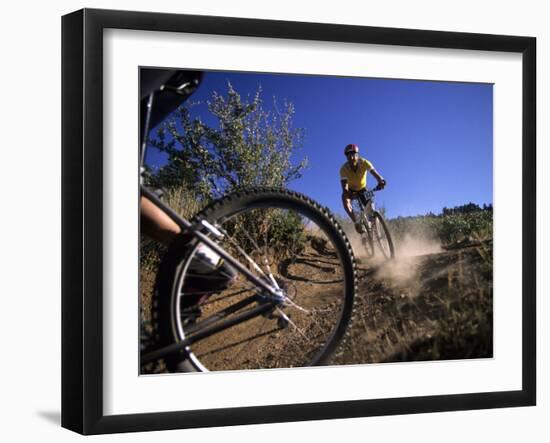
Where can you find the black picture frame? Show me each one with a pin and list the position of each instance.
(82, 218)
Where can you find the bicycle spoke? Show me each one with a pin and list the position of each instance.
(263, 252)
(276, 245)
(247, 257)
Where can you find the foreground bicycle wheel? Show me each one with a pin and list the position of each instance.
(382, 235)
(286, 240)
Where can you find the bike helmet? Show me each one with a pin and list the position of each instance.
(351, 148)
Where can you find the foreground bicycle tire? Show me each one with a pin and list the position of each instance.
(304, 332)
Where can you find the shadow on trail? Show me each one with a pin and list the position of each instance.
(320, 246)
(284, 270)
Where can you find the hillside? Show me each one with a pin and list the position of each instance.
(432, 306)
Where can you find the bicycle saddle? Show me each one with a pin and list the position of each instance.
(171, 88)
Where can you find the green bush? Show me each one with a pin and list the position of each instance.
(447, 228)
(280, 232)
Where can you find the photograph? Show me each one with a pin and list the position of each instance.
(270, 221)
(292, 220)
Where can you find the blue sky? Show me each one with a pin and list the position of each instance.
(431, 141)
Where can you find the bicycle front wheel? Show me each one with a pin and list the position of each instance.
(383, 236)
(287, 241)
(367, 241)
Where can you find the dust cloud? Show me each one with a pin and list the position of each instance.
(412, 246)
(403, 270)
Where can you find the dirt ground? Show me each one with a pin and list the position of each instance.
(436, 304)
(429, 303)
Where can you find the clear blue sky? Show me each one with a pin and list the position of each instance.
(431, 141)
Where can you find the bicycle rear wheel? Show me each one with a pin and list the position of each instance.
(285, 239)
(382, 235)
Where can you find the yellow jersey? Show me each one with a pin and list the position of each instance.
(357, 178)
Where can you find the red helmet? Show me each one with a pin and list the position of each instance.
(351, 148)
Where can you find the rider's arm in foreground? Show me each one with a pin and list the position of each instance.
(156, 224)
(165, 90)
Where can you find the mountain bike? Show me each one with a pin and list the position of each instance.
(263, 278)
(375, 229)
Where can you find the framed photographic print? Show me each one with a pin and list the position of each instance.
(271, 221)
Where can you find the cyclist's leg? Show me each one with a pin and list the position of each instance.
(156, 224)
(370, 209)
(346, 201)
(367, 203)
(361, 195)
(349, 210)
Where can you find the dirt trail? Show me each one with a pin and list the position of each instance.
(429, 303)
(431, 306)
(314, 283)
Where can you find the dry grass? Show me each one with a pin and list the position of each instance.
(434, 307)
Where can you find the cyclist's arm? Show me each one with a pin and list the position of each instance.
(346, 198)
(345, 186)
(344, 180)
(378, 177)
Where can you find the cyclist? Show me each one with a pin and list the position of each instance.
(353, 177)
(170, 88)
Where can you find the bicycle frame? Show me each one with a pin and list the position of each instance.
(366, 210)
(374, 223)
(206, 327)
(185, 225)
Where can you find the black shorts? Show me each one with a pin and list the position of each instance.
(360, 195)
